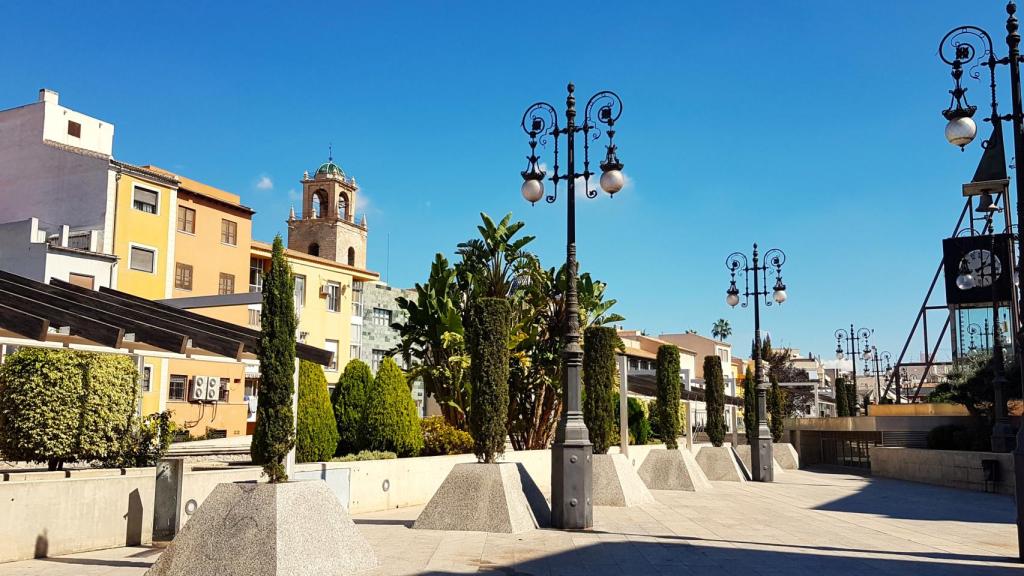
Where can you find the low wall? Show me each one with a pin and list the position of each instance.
(951, 468)
(55, 513)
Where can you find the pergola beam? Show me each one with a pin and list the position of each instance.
(99, 332)
(23, 323)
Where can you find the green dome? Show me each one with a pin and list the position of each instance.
(329, 168)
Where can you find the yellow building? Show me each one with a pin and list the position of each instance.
(143, 230)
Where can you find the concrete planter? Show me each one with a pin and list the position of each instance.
(616, 483)
(673, 470)
(499, 497)
(718, 463)
(294, 528)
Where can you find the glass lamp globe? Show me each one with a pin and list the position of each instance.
(839, 354)
(965, 282)
(780, 295)
(961, 131)
(612, 181)
(533, 190)
(732, 299)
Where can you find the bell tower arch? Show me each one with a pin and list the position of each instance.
(328, 218)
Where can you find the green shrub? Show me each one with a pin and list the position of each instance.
(391, 420)
(842, 398)
(366, 455)
(668, 394)
(349, 402)
(316, 435)
(60, 406)
(639, 424)
(441, 438)
(274, 436)
(957, 437)
(777, 408)
(145, 442)
(601, 342)
(714, 398)
(750, 406)
(488, 336)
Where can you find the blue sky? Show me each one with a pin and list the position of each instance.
(809, 126)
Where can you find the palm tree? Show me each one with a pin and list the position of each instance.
(721, 329)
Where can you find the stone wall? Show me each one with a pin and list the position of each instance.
(375, 336)
(950, 468)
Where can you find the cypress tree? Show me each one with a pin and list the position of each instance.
(750, 406)
(842, 407)
(777, 406)
(599, 385)
(851, 398)
(349, 403)
(275, 426)
(714, 399)
(316, 433)
(667, 374)
(487, 333)
(391, 420)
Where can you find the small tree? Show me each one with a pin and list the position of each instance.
(488, 335)
(750, 406)
(349, 403)
(777, 406)
(316, 433)
(714, 398)
(274, 436)
(599, 385)
(851, 398)
(842, 408)
(667, 374)
(391, 420)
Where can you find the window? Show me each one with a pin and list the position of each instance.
(357, 298)
(381, 317)
(144, 200)
(226, 284)
(142, 259)
(83, 280)
(228, 232)
(74, 129)
(303, 336)
(377, 358)
(147, 378)
(332, 347)
(186, 220)
(333, 291)
(314, 249)
(224, 384)
(300, 293)
(255, 318)
(255, 275)
(343, 206)
(351, 256)
(176, 387)
(182, 276)
(355, 341)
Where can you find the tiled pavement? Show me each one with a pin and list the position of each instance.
(807, 523)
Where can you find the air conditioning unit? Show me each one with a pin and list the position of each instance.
(324, 293)
(212, 388)
(199, 385)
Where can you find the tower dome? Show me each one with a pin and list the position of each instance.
(329, 168)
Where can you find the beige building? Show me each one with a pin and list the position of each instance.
(704, 346)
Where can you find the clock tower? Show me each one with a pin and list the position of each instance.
(327, 226)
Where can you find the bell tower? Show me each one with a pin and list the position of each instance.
(327, 226)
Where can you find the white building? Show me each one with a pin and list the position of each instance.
(28, 250)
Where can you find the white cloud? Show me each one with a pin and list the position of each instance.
(362, 202)
(264, 183)
(293, 195)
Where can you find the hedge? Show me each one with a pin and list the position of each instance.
(777, 407)
(714, 398)
(441, 438)
(600, 344)
(487, 336)
(349, 403)
(316, 436)
(668, 393)
(392, 424)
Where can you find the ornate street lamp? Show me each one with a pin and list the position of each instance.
(571, 469)
(983, 333)
(760, 459)
(853, 339)
(879, 358)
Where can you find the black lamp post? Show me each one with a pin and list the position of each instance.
(852, 339)
(960, 131)
(975, 330)
(760, 459)
(879, 358)
(571, 469)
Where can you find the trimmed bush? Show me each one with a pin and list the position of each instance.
(366, 455)
(750, 406)
(60, 406)
(639, 424)
(488, 335)
(145, 443)
(316, 436)
(274, 436)
(842, 406)
(441, 438)
(777, 407)
(391, 421)
(601, 342)
(714, 398)
(668, 395)
(349, 403)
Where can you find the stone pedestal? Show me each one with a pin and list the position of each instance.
(293, 528)
(673, 470)
(499, 497)
(718, 463)
(616, 483)
(785, 457)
